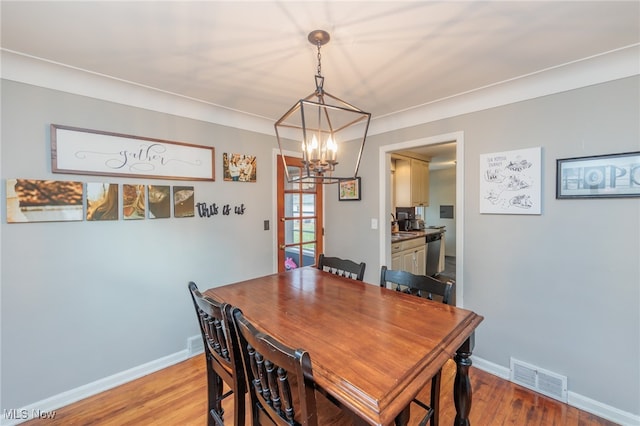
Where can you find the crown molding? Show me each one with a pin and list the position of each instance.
(52, 75)
(609, 66)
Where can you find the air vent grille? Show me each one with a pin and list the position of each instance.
(539, 380)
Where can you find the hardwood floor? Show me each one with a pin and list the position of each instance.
(177, 396)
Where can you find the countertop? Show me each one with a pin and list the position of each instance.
(410, 235)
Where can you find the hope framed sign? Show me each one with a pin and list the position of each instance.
(93, 152)
(600, 176)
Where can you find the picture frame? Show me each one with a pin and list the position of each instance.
(239, 167)
(599, 176)
(92, 152)
(349, 189)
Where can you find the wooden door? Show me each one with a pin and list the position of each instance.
(300, 222)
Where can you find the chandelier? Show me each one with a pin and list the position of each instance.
(320, 127)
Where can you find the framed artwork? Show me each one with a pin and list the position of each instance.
(183, 201)
(31, 200)
(599, 176)
(92, 152)
(239, 167)
(510, 182)
(102, 201)
(349, 189)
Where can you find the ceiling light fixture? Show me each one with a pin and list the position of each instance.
(319, 127)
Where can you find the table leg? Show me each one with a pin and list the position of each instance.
(462, 384)
(403, 418)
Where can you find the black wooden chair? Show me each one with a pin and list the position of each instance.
(280, 381)
(224, 361)
(343, 267)
(428, 287)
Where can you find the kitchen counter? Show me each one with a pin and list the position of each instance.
(410, 235)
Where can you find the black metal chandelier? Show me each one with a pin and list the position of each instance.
(319, 127)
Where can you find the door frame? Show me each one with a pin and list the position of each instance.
(384, 174)
(275, 154)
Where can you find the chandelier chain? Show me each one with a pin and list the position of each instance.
(319, 58)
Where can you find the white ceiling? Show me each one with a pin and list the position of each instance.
(253, 56)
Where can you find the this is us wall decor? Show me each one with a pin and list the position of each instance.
(93, 152)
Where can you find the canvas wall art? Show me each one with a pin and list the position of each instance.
(31, 200)
(510, 182)
(159, 201)
(102, 201)
(133, 201)
(183, 201)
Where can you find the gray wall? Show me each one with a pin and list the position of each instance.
(442, 191)
(85, 300)
(559, 290)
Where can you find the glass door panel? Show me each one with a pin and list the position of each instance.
(300, 219)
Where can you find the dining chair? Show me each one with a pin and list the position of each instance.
(224, 362)
(343, 267)
(280, 381)
(428, 287)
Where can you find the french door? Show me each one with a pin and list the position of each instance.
(300, 223)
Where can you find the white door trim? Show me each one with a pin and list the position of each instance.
(385, 199)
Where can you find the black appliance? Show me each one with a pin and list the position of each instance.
(404, 216)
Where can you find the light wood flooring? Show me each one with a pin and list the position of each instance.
(177, 396)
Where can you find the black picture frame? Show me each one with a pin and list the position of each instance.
(599, 176)
(349, 189)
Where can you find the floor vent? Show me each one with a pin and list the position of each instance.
(195, 345)
(539, 380)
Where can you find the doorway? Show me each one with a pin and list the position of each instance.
(300, 221)
(386, 194)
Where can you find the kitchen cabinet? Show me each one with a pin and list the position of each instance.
(410, 256)
(412, 182)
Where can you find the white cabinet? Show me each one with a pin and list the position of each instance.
(411, 182)
(409, 255)
(419, 183)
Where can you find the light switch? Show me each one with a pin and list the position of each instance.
(374, 223)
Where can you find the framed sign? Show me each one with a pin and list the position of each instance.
(349, 189)
(600, 176)
(92, 152)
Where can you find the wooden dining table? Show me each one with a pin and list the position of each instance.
(373, 349)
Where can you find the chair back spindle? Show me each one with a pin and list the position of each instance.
(342, 267)
(280, 381)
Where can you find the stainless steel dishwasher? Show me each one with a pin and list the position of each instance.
(433, 253)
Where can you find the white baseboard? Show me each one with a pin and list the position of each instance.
(57, 401)
(575, 400)
(602, 410)
(491, 368)
(49, 405)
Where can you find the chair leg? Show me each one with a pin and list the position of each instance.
(435, 399)
(214, 387)
(239, 404)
